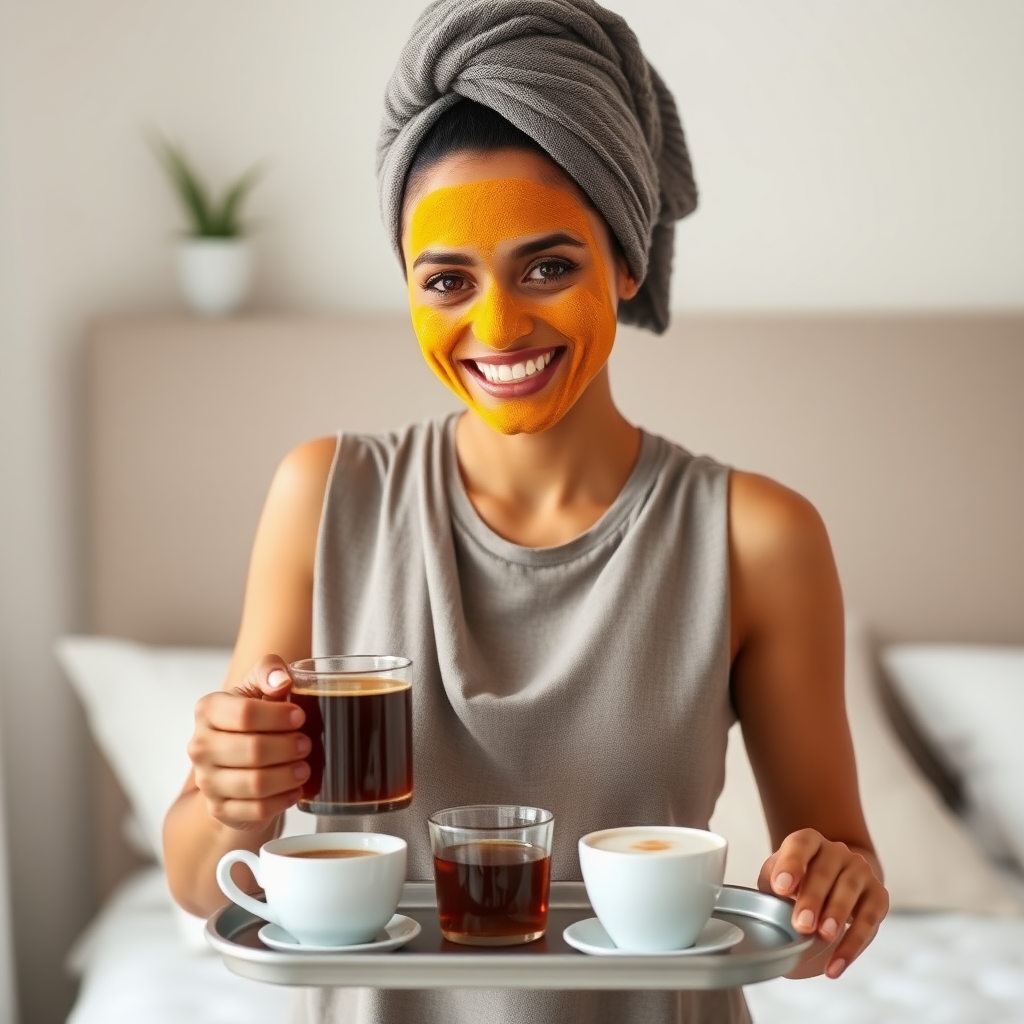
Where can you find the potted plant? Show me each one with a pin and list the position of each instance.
(215, 257)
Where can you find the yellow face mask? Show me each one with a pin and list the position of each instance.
(480, 218)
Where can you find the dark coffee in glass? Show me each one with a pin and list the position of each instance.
(359, 720)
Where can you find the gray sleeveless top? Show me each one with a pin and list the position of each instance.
(591, 678)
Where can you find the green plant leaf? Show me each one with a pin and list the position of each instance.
(189, 187)
(226, 219)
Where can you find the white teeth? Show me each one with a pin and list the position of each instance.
(503, 372)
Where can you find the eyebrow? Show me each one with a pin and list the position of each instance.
(547, 242)
(457, 259)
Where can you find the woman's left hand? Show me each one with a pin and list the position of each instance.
(833, 885)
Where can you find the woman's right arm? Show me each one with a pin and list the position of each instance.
(247, 753)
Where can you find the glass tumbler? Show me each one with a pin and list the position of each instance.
(492, 872)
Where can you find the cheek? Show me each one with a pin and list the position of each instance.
(430, 328)
(436, 330)
(577, 316)
(586, 315)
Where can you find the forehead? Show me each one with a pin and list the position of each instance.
(485, 213)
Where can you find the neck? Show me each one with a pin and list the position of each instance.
(547, 488)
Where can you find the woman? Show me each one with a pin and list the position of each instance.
(587, 605)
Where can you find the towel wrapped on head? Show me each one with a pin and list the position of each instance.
(570, 75)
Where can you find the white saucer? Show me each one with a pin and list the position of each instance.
(397, 932)
(589, 936)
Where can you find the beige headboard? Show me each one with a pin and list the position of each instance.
(906, 432)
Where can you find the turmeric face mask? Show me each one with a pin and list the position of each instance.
(488, 295)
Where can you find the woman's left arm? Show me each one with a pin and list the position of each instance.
(787, 684)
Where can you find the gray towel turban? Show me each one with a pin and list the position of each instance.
(571, 75)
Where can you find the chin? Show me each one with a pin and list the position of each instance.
(527, 419)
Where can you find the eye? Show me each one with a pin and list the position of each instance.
(445, 284)
(551, 270)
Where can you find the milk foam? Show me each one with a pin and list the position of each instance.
(651, 841)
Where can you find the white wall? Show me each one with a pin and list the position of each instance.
(856, 154)
(850, 154)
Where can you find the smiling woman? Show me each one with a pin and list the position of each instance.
(588, 606)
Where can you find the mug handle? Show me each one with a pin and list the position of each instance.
(231, 890)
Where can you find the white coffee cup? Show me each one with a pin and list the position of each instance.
(653, 888)
(328, 900)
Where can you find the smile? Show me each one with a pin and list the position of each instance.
(515, 374)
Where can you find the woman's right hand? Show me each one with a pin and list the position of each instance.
(247, 753)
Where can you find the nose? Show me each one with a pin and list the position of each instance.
(499, 320)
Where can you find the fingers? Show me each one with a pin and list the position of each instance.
(270, 677)
(235, 712)
(831, 886)
(784, 871)
(838, 904)
(247, 755)
(868, 914)
(830, 876)
(248, 750)
(251, 814)
(223, 784)
(245, 796)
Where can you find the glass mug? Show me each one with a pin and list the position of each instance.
(359, 720)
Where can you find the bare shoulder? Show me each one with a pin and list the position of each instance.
(302, 474)
(286, 537)
(767, 518)
(291, 515)
(780, 557)
(277, 612)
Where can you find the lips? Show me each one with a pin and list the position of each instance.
(515, 374)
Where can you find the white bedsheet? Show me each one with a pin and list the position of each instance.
(922, 968)
(136, 970)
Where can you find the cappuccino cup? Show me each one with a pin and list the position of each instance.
(653, 889)
(328, 889)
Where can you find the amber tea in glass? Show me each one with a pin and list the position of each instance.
(492, 873)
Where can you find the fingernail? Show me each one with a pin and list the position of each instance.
(805, 919)
(829, 928)
(277, 678)
(297, 717)
(836, 968)
(303, 746)
(302, 770)
(783, 881)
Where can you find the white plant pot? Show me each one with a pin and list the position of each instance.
(214, 274)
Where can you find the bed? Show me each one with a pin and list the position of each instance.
(181, 453)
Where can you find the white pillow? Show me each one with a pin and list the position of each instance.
(968, 702)
(139, 702)
(929, 860)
